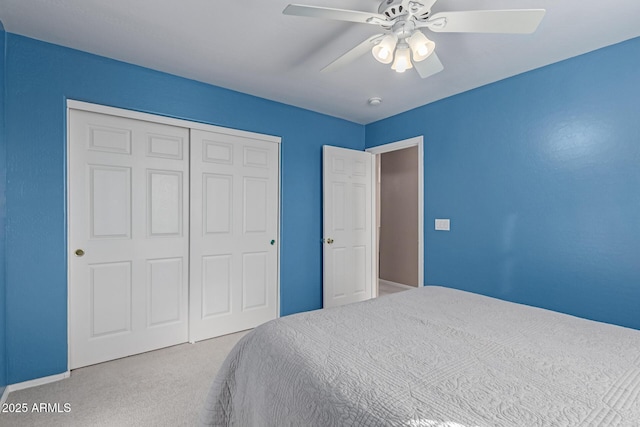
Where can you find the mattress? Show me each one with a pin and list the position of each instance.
(431, 356)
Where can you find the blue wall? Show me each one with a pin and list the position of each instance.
(3, 169)
(540, 175)
(40, 77)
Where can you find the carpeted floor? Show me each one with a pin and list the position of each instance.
(161, 388)
(387, 289)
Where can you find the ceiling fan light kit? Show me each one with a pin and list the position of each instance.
(388, 48)
(402, 21)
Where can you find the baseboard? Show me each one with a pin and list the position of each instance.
(397, 285)
(36, 382)
(3, 396)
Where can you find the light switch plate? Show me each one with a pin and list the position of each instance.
(443, 224)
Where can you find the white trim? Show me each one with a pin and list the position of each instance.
(279, 231)
(5, 394)
(373, 242)
(36, 382)
(399, 145)
(137, 115)
(66, 225)
(395, 285)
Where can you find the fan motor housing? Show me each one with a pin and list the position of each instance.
(391, 8)
(395, 8)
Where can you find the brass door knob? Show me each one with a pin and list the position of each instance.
(79, 252)
(329, 240)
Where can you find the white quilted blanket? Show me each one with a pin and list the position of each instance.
(430, 357)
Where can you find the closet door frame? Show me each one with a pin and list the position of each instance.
(136, 115)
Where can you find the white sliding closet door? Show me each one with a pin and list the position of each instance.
(234, 229)
(128, 236)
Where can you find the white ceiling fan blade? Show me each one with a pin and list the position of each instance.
(429, 66)
(521, 21)
(335, 14)
(428, 4)
(354, 53)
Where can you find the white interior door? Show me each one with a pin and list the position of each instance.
(128, 236)
(347, 221)
(234, 233)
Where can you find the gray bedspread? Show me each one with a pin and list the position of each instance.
(430, 357)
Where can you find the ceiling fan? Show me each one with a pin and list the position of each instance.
(403, 21)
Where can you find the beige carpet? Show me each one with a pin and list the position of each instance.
(387, 289)
(161, 388)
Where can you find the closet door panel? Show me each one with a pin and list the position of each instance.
(234, 229)
(128, 215)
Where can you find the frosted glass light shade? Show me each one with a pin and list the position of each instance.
(421, 46)
(383, 51)
(403, 58)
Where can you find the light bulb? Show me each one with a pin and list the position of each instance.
(383, 53)
(401, 65)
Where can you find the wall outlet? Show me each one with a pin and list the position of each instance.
(443, 224)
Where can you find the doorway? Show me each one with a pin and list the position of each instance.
(399, 215)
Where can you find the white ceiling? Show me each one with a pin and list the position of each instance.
(249, 46)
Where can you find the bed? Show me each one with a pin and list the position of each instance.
(432, 356)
